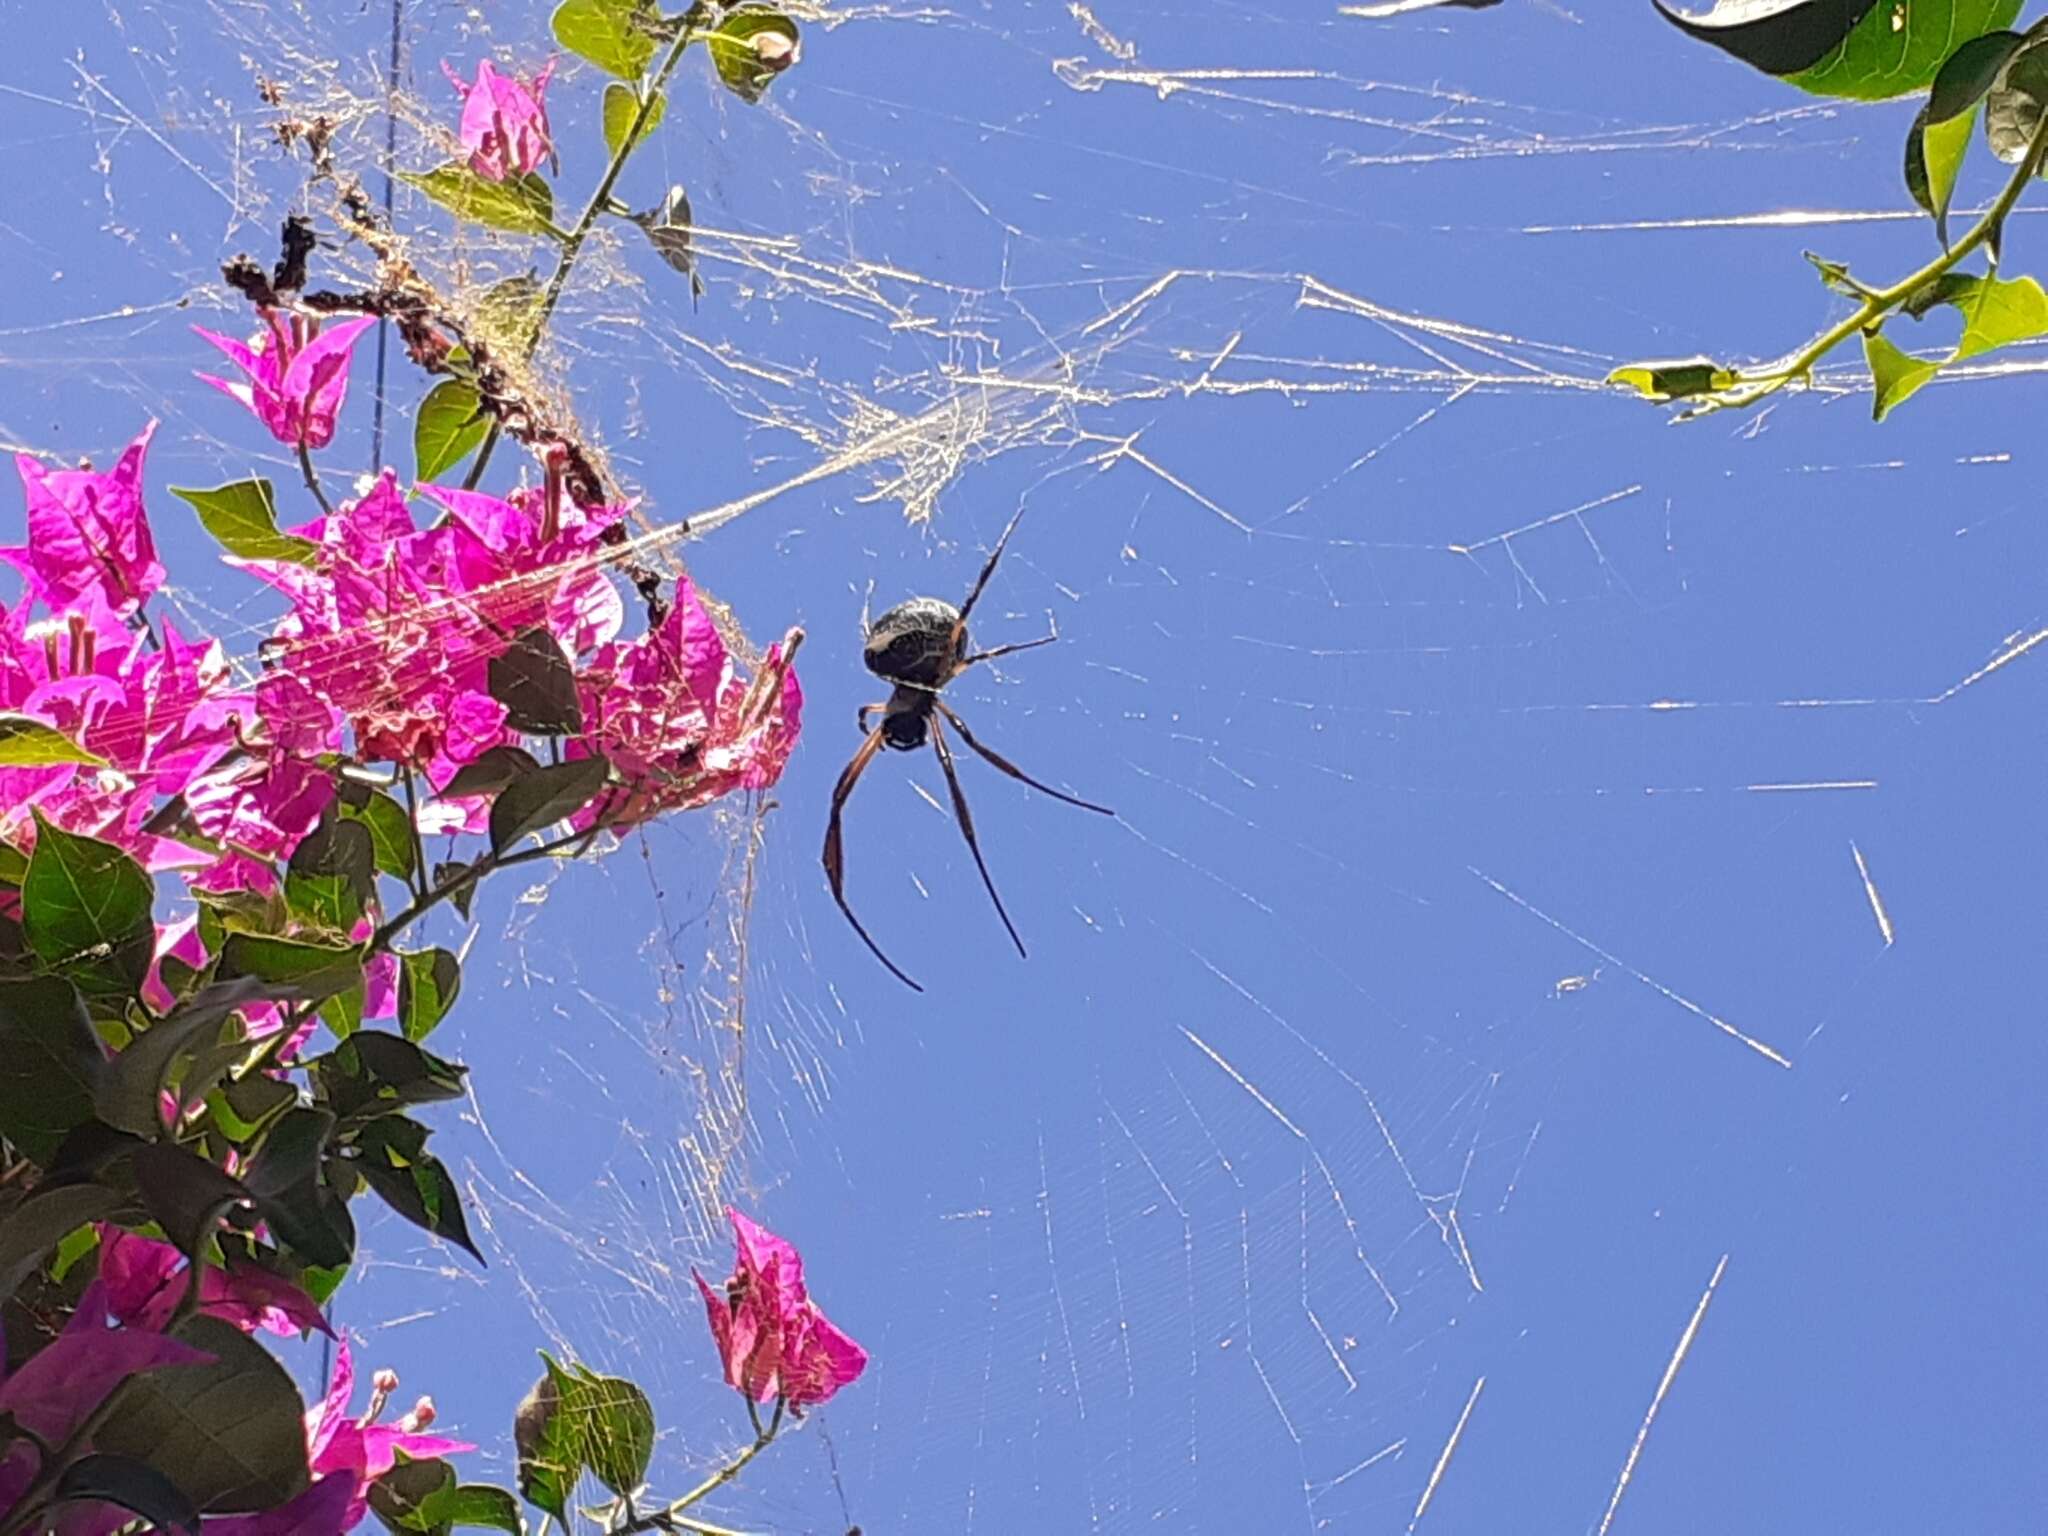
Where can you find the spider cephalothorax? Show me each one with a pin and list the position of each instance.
(919, 647)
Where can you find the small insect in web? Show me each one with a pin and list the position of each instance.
(918, 647)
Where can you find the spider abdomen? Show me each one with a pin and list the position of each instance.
(914, 643)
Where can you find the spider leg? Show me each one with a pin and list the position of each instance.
(1003, 650)
(865, 711)
(967, 827)
(996, 760)
(966, 608)
(835, 855)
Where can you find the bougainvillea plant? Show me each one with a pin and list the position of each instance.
(1963, 58)
(214, 1005)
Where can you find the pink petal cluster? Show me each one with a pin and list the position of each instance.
(87, 533)
(357, 1449)
(145, 1280)
(504, 121)
(772, 1339)
(297, 369)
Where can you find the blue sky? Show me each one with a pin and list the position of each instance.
(1487, 751)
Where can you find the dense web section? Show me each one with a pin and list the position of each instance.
(1286, 334)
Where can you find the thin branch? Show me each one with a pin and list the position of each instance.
(313, 478)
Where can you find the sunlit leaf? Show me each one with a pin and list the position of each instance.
(549, 1436)
(620, 1430)
(522, 205)
(615, 35)
(390, 832)
(1934, 157)
(1997, 312)
(242, 517)
(450, 424)
(751, 46)
(621, 106)
(26, 743)
(311, 971)
(1895, 375)
(85, 910)
(427, 984)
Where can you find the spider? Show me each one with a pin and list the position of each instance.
(918, 647)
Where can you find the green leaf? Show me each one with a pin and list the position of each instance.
(303, 972)
(242, 517)
(1997, 312)
(303, 1211)
(1968, 73)
(753, 45)
(620, 1435)
(53, 1064)
(412, 1495)
(427, 983)
(26, 743)
(549, 1437)
(413, 1182)
(482, 1504)
(131, 1088)
(544, 797)
(523, 205)
(341, 846)
(244, 1106)
(490, 773)
(1934, 156)
(615, 35)
(132, 1485)
(85, 910)
(390, 833)
(1895, 375)
(621, 106)
(2013, 105)
(42, 1221)
(1853, 48)
(506, 312)
(327, 906)
(451, 422)
(534, 681)
(231, 1433)
(668, 227)
(460, 901)
(376, 1073)
(1678, 380)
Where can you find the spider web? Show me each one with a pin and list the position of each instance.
(1499, 864)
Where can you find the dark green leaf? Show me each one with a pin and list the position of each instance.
(1836, 275)
(374, 1073)
(131, 1088)
(132, 1485)
(339, 846)
(244, 1106)
(490, 773)
(390, 832)
(544, 797)
(52, 1064)
(1895, 376)
(413, 1495)
(451, 422)
(1679, 380)
(523, 205)
(621, 106)
(668, 227)
(481, 1504)
(753, 45)
(414, 1183)
(532, 678)
(443, 874)
(231, 1433)
(291, 1153)
(2013, 106)
(1934, 156)
(549, 1437)
(44, 1220)
(1968, 73)
(85, 910)
(185, 1194)
(298, 970)
(1949, 288)
(26, 743)
(427, 984)
(242, 517)
(328, 906)
(297, 1202)
(619, 1438)
(1853, 48)
(615, 35)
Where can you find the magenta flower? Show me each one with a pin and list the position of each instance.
(298, 374)
(87, 531)
(504, 121)
(772, 1339)
(361, 1448)
(145, 1280)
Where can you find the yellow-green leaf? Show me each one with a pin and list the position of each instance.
(1997, 312)
(523, 205)
(621, 106)
(615, 35)
(1896, 375)
(26, 743)
(1678, 380)
(450, 424)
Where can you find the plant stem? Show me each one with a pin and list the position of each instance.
(665, 1517)
(572, 244)
(488, 864)
(1879, 302)
(313, 478)
(418, 882)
